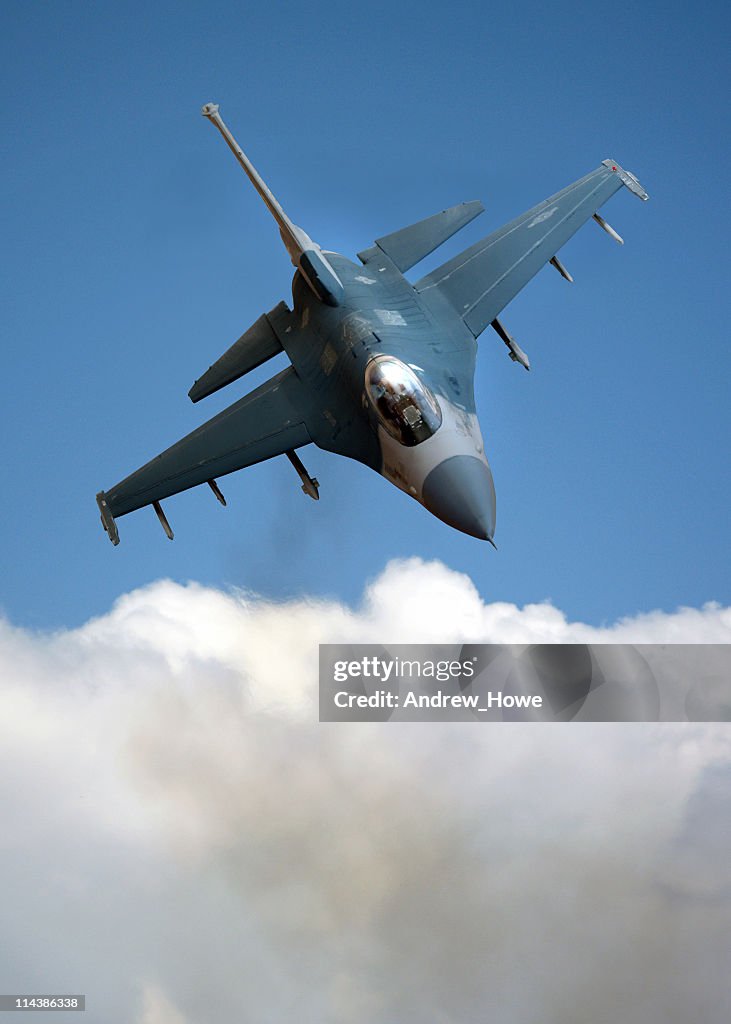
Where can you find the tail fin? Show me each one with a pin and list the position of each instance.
(305, 254)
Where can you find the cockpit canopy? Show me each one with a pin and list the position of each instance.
(405, 407)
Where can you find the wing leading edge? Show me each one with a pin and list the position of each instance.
(263, 424)
(482, 280)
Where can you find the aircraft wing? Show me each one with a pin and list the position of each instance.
(482, 280)
(265, 423)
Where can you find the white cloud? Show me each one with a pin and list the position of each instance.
(157, 1008)
(173, 811)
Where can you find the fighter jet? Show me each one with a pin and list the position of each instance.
(381, 370)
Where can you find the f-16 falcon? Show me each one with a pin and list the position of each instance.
(381, 370)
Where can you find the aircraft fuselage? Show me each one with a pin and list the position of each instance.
(394, 389)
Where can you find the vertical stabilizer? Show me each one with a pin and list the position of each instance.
(305, 254)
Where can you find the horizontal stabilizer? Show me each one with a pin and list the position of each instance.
(252, 349)
(410, 245)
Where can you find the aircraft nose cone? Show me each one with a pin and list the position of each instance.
(460, 492)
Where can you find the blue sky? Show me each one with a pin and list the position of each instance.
(136, 252)
(146, 756)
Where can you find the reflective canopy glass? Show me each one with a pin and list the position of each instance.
(406, 407)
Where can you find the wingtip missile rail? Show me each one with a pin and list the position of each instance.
(627, 178)
(107, 518)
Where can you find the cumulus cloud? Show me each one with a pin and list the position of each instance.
(157, 1008)
(184, 842)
